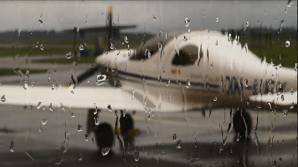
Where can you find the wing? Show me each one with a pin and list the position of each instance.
(100, 28)
(80, 97)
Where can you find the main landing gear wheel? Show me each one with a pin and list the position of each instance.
(242, 124)
(127, 129)
(104, 136)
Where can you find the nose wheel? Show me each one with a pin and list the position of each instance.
(104, 136)
(127, 130)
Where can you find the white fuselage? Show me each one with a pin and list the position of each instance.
(225, 76)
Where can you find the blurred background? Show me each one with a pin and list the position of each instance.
(38, 35)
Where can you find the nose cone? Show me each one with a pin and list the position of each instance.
(112, 59)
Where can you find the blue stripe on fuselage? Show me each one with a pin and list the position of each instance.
(215, 86)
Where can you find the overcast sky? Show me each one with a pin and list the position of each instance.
(169, 15)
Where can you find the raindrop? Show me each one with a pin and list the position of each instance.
(80, 156)
(286, 10)
(112, 46)
(287, 44)
(133, 94)
(3, 98)
(38, 105)
(50, 107)
(101, 79)
(79, 128)
(72, 115)
(174, 137)
(126, 39)
(292, 91)
(292, 106)
(184, 38)
(159, 46)
(81, 47)
(285, 112)
(40, 130)
(105, 151)
(68, 55)
(92, 139)
(188, 84)
(247, 23)
(211, 66)
(282, 97)
(86, 137)
(11, 146)
(25, 86)
(216, 42)
(169, 81)
(188, 31)
(178, 146)
(44, 122)
(154, 17)
(246, 47)
(215, 99)
(216, 19)
(41, 47)
(187, 22)
(109, 108)
(136, 155)
(40, 22)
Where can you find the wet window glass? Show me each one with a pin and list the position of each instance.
(187, 56)
(148, 83)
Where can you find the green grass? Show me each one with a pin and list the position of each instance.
(82, 60)
(8, 71)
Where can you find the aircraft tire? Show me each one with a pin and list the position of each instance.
(127, 130)
(242, 124)
(104, 135)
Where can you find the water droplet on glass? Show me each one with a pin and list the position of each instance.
(105, 151)
(187, 22)
(133, 94)
(285, 112)
(39, 105)
(282, 97)
(292, 106)
(292, 91)
(188, 30)
(136, 155)
(86, 137)
(50, 107)
(211, 66)
(81, 47)
(159, 46)
(25, 86)
(174, 137)
(216, 19)
(154, 17)
(72, 115)
(188, 84)
(44, 122)
(287, 44)
(40, 130)
(101, 79)
(184, 38)
(80, 156)
(246, 47)
(40, 22)
(216, 42)
(11, 146)
(79, 128)
(215, 99)
(126, 39)
(68, 55)
(169, 81)
(3, 98)
(178, 146)
(92, 139)
(247, 23)
(41, 47)
(109, 108)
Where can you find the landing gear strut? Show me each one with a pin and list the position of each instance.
(242, 124)
(127, 129)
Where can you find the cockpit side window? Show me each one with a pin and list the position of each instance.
(187, 56)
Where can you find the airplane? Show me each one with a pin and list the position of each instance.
(178, 71)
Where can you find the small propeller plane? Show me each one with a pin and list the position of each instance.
(173, 72)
